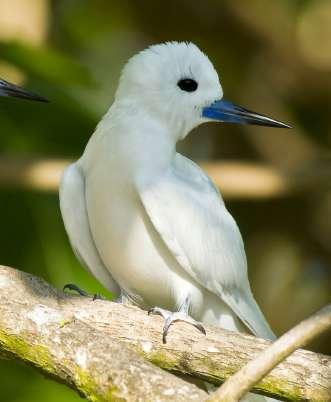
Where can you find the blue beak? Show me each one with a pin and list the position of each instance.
(8, 89)
(223, 110)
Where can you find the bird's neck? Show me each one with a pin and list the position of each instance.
(131, 140)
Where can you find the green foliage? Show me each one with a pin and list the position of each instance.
(46, 64)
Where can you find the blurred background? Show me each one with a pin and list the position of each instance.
(273, 57)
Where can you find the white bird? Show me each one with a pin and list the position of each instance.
(146, 221)
(8, 89)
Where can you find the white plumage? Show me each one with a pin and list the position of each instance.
(144, 219)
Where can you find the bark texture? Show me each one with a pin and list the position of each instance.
(100, 348)
(243, 380)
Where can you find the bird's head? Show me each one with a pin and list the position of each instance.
(176, 83)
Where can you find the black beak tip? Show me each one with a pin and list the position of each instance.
(28, 96)
(8, 89)
(41, 99)
(268, 123)
(283, 125)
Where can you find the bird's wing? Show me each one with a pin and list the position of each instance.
(190, 216)
(74, 214)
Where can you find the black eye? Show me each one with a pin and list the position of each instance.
(187, 84)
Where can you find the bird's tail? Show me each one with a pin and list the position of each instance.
(245, 307)
(219, 313)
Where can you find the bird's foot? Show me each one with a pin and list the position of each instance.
(170, 318)
(81, 292)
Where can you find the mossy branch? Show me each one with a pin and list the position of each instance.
(243, 380)
(39, 326)
(101, 348)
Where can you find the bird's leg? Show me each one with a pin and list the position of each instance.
(125, 299)
(122, 299)
(180, 315)
(72, 286)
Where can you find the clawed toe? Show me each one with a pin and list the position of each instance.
(170, 318)
(75, 288)
(97, 296)
(159, 311)
(81, 292)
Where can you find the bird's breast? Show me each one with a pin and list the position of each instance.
(127, 241)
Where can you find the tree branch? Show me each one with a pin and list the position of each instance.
(98, 347)
(240, 383)
(36, 327)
